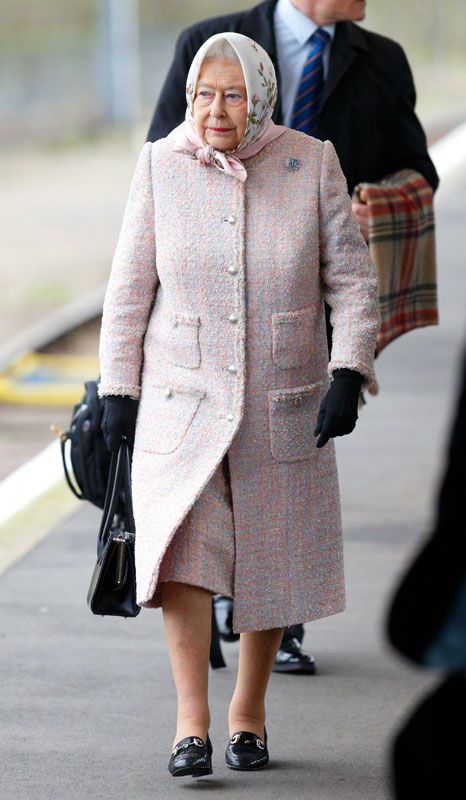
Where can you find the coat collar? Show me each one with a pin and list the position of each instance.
(348, 41)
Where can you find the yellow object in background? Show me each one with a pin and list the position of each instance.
(41, 379)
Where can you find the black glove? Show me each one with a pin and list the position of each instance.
(119, 419)
(338, 410)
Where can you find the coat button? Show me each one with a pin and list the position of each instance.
(233, 318)
(230, 417)
(232, 219)
(298, 400)
(232, 369)
(232, 270)
(175, 323)
(169, 392)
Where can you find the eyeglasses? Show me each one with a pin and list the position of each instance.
(205, 97)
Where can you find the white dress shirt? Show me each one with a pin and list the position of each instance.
(292, 32)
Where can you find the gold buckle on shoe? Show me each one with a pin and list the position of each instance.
(256, 740)
(194, 740)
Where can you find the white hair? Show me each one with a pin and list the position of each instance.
(222, 49)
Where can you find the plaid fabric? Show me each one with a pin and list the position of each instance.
(402, 246)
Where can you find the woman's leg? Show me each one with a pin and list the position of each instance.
(187, 614)
(257, 654)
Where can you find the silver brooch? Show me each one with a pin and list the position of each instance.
(293, 164)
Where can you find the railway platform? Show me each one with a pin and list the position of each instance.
(87, 703)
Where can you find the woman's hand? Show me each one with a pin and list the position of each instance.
(118, 420)
(339, 409)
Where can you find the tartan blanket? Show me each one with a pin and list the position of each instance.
(402, 246)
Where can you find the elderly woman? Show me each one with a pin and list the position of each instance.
(235, 232)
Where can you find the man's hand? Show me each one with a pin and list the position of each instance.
(361, 213)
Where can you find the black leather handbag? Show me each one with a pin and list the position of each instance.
(112, 591)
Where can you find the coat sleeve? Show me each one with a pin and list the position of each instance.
(131, 289)
(408, 140)
(348, 275)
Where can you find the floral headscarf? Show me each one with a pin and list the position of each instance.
(261, 87)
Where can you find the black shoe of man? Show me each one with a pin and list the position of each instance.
(292, 659)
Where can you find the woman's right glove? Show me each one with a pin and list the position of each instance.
(118, 420)
(339, 409)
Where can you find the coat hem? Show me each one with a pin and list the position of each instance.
(297, 618)
(149, 593)
(156, 600)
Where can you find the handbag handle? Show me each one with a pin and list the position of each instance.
(111, 498)
(129, 516)
(63, 441)
(119, 478)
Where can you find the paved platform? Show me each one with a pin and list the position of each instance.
(87, 704)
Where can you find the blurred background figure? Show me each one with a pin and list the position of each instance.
(427, 624)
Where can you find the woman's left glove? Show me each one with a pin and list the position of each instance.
(118, 420)
(339, 409)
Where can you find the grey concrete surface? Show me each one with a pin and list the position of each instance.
(87, 704)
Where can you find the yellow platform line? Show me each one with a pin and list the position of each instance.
(62, 379)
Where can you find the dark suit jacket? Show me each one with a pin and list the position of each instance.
(368, 103)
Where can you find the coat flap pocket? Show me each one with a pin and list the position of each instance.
(298, 317)
(292, 418)
(293, 337)
(283, 398)
(166, 412)
(183, 346)
(181, 318)
(170, 388)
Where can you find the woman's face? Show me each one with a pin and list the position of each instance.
(221, 104)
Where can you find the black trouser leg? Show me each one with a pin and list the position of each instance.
(293, 632)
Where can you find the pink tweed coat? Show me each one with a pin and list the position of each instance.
(214, 318)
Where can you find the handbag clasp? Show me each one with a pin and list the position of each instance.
(121, 559)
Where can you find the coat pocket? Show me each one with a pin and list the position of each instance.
(184, 348)
(166, 412)
(292, 336)
(292, 419)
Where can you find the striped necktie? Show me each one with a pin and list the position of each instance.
(305, 116)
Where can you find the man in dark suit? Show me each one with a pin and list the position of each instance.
(366, 108)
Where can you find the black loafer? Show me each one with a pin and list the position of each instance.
(247, 751)
(191, 756)
(290, 658)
